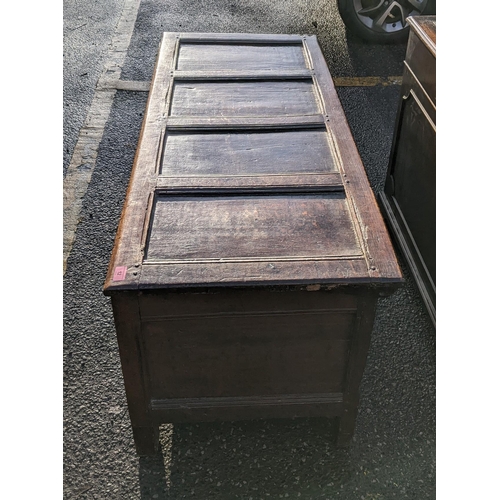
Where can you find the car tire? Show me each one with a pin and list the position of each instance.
(358, 24)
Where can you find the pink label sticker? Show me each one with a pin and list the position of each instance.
(120, 273)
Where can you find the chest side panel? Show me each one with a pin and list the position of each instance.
(256, 343)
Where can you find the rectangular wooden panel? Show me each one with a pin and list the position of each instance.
(251, 227)
(244, 153)
(239, 56)
(420, 56)
(244, 98)
(230, 355)
(414, 173)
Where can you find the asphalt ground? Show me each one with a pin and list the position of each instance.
(392, 455)
(87, 29)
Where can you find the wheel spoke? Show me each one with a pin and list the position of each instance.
(404, 14)
(378, 22)
(370, 10)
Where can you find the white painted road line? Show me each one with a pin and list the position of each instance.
(84, 156)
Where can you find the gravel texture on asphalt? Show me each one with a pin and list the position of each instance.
(345, 55)
(87, 29)
(392, 455)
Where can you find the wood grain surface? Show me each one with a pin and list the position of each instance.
(243, 98)
(232, 356)
(202, 56)
(240, 153)
(251, 227)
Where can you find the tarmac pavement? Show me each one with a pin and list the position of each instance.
(393, 452)
(87, 29)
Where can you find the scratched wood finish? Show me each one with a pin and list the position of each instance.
(251, 227)
(246, 153)
(250, 253)
(221, 56)
(244, 98)
(248, 183)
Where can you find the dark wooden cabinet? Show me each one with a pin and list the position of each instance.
(408, 201)
(251, 251)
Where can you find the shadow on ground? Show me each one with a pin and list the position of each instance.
(239, 460)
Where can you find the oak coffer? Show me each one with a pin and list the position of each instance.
(408, 201)
(250, 251)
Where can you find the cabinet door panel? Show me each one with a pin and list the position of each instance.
(414, 175)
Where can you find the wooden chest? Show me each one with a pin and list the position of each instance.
(250, 252)
(409, 198)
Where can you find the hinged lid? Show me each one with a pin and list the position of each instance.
(246, 173)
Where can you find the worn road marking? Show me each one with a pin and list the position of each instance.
(367, 81)
(84, 156)
(132, 85)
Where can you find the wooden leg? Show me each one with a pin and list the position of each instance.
(357, 362)
(146, 440)
(128, 329)
(347, 423)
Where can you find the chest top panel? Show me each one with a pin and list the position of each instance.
(246, 173)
